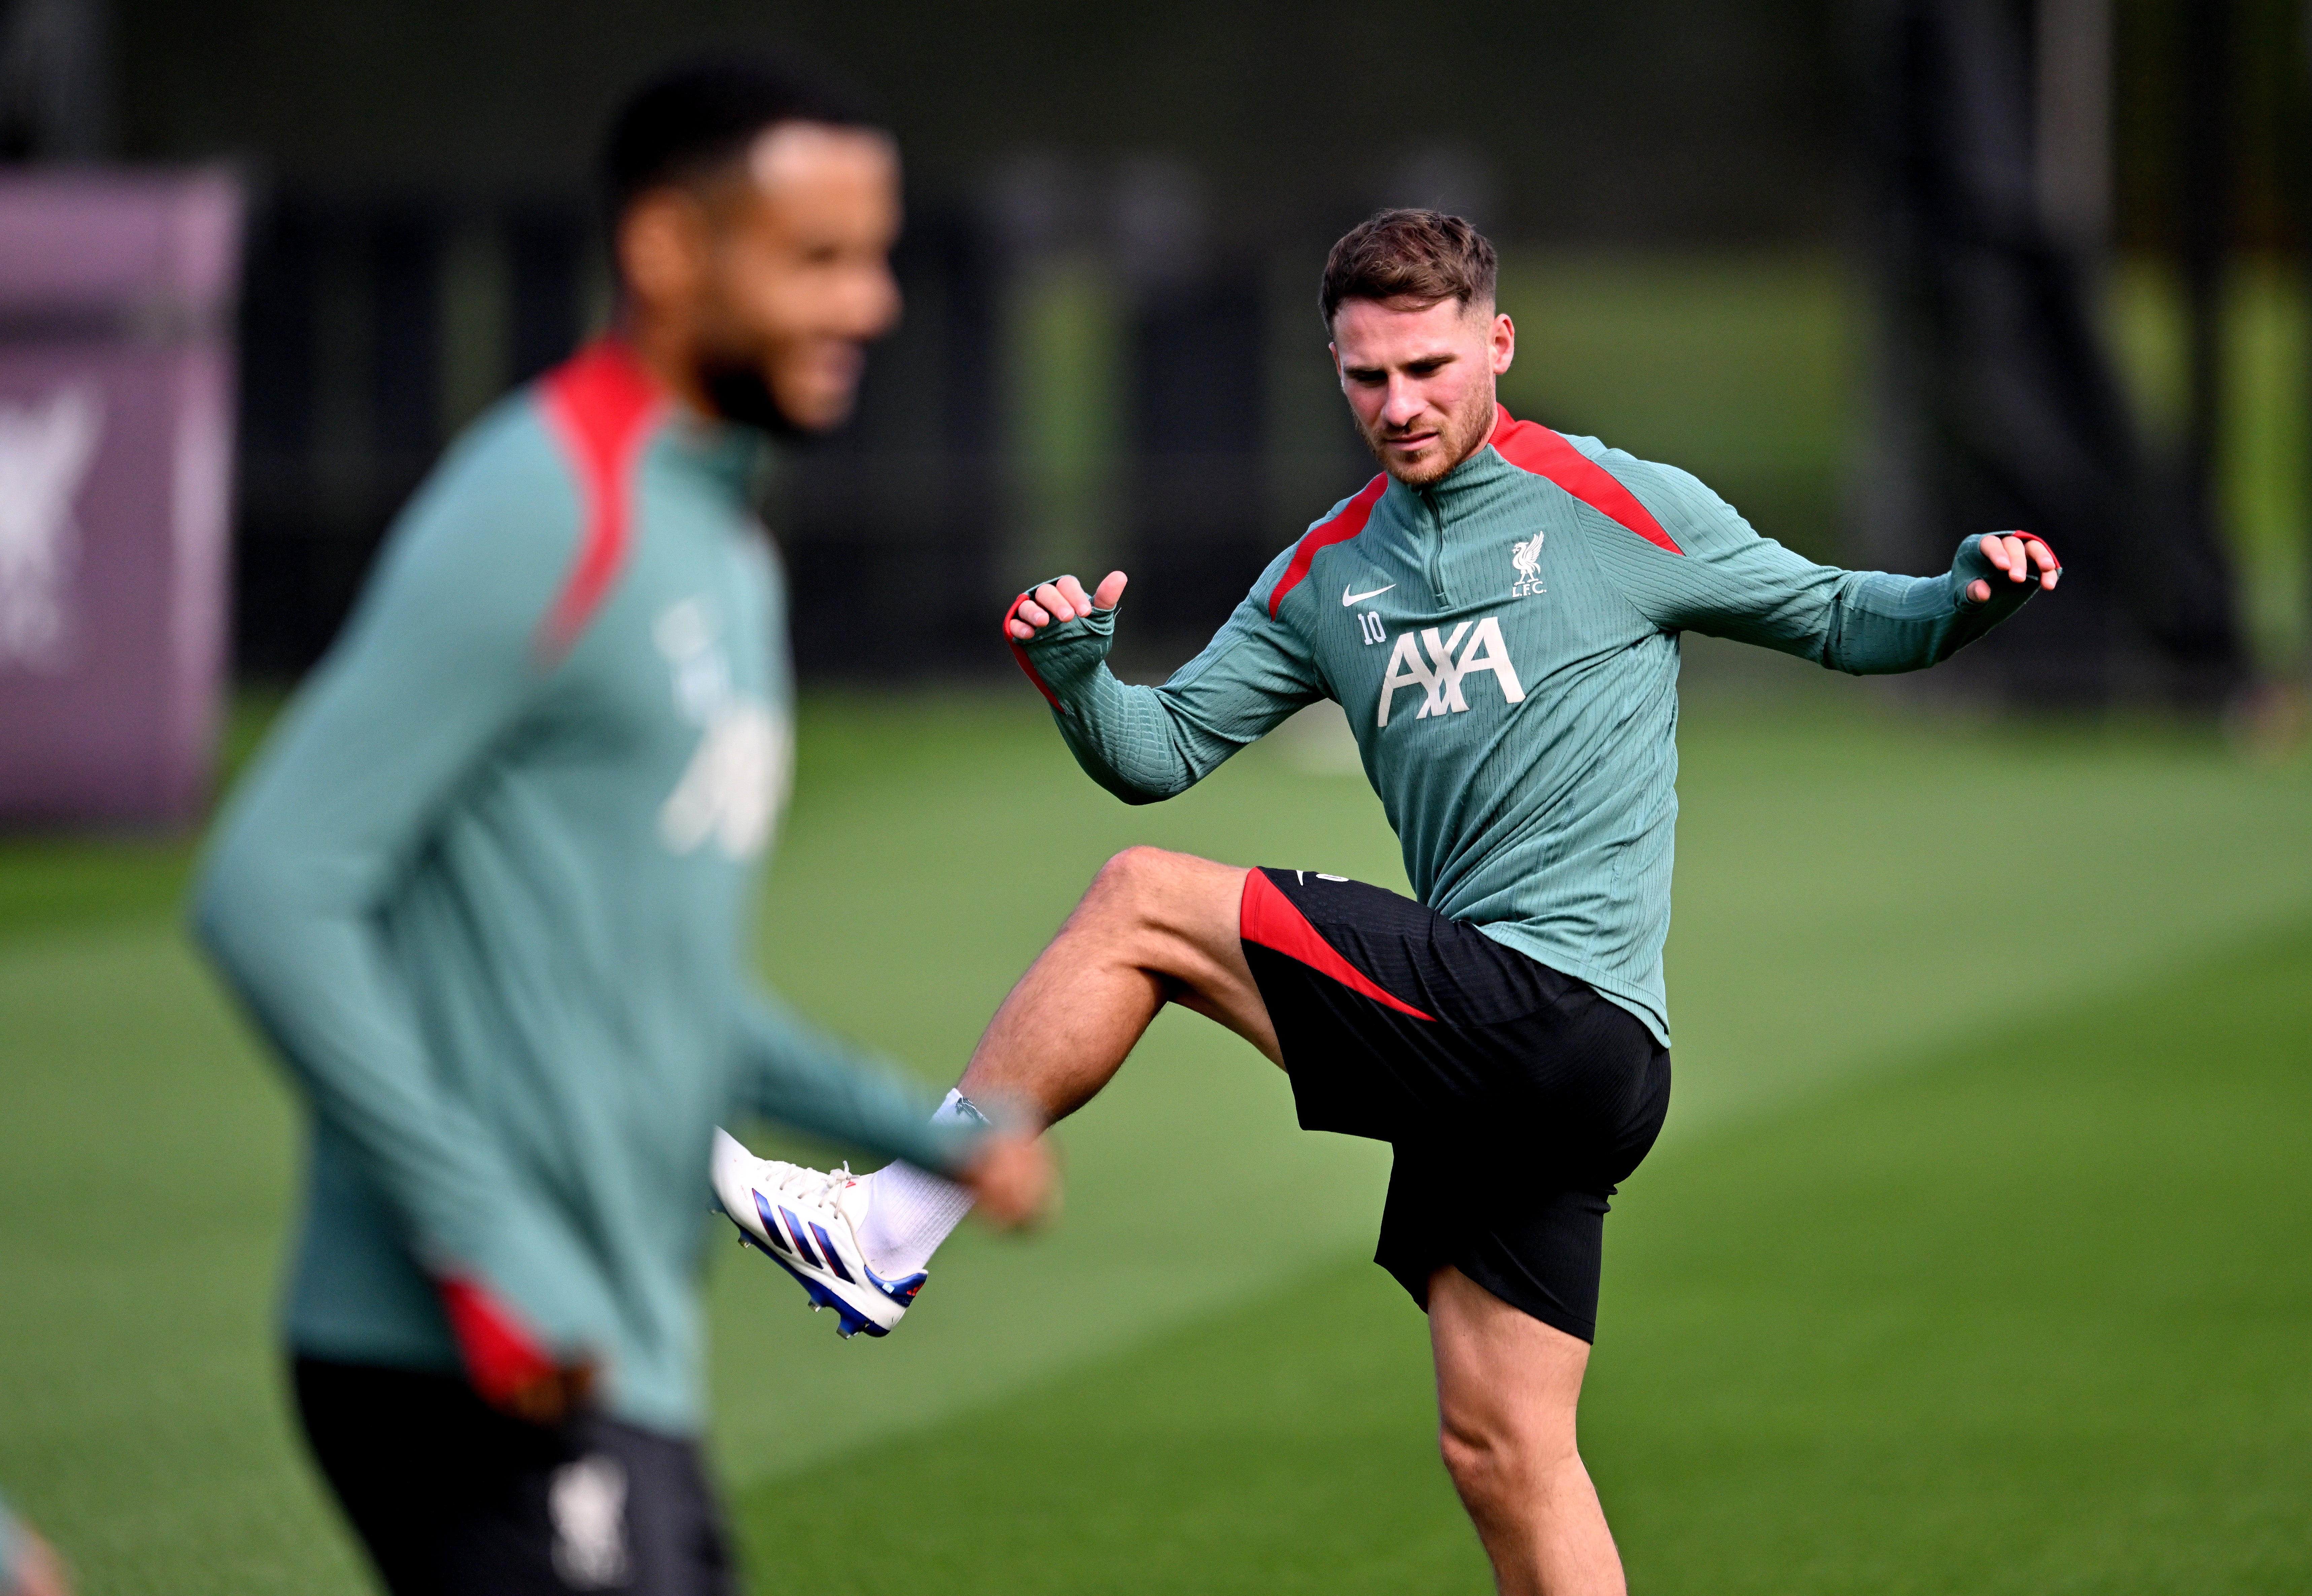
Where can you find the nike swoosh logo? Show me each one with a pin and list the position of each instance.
(1348, 598)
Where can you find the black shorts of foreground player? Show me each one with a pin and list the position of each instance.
(1498, 613)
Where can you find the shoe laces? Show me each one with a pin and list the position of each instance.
(799, 1182)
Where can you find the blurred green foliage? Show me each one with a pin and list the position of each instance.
(1743, 370)
(2263, 492)
(1749, 371)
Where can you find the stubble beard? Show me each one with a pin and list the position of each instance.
(735, 366)
(1461, 434)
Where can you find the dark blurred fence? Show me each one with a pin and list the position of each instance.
(1999, 397)
(348, 346)
(374, 328)
(892, 528)
(1198, 425)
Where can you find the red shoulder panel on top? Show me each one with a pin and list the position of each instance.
(602, 405)
(1343, 525)
(1530, 447)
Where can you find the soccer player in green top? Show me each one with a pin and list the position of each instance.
(1498, 612)
(487, 886)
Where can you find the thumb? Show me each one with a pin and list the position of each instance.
(1111, 589)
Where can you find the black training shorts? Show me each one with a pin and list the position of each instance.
(453, 1498)
(1517, 1096)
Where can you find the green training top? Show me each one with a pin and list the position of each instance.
(1505, 645)
(487, 887)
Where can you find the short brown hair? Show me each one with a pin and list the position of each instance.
(1416, 255)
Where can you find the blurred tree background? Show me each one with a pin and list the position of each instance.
(1111, 354)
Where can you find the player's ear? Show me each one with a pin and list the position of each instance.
(1503, 343)
(660, 247)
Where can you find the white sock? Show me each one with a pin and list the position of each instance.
(910, 1211)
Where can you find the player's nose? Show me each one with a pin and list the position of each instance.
(874, 305)
(1404, 404)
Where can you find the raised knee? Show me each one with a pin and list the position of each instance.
(1130, 874)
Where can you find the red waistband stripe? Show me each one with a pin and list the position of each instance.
(1267, 919)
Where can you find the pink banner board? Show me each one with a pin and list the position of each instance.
(116, 456)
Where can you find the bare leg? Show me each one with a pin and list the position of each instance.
(1157, 928)
(1154, 928)
(1507, 1385)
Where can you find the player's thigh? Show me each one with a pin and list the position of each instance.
(1504, 1377)
(1182, 918)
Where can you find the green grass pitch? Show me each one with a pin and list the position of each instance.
(1974, 1261)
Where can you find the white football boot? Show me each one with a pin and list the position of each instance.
(806, 1221)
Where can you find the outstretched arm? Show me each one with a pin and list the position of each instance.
(1727, 582)
(1145, 743)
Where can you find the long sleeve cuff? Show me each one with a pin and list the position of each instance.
(1064, 660)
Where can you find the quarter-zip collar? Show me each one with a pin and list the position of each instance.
(726, 454)
(1452, 491)
(1429, 512)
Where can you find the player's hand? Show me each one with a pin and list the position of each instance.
(1064, 600)
(2015, 553)
(555, 1395)
(39, 1572)
(1011, 1178)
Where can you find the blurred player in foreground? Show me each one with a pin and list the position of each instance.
(486, 888)
(29, 1566)
(1498, 612)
